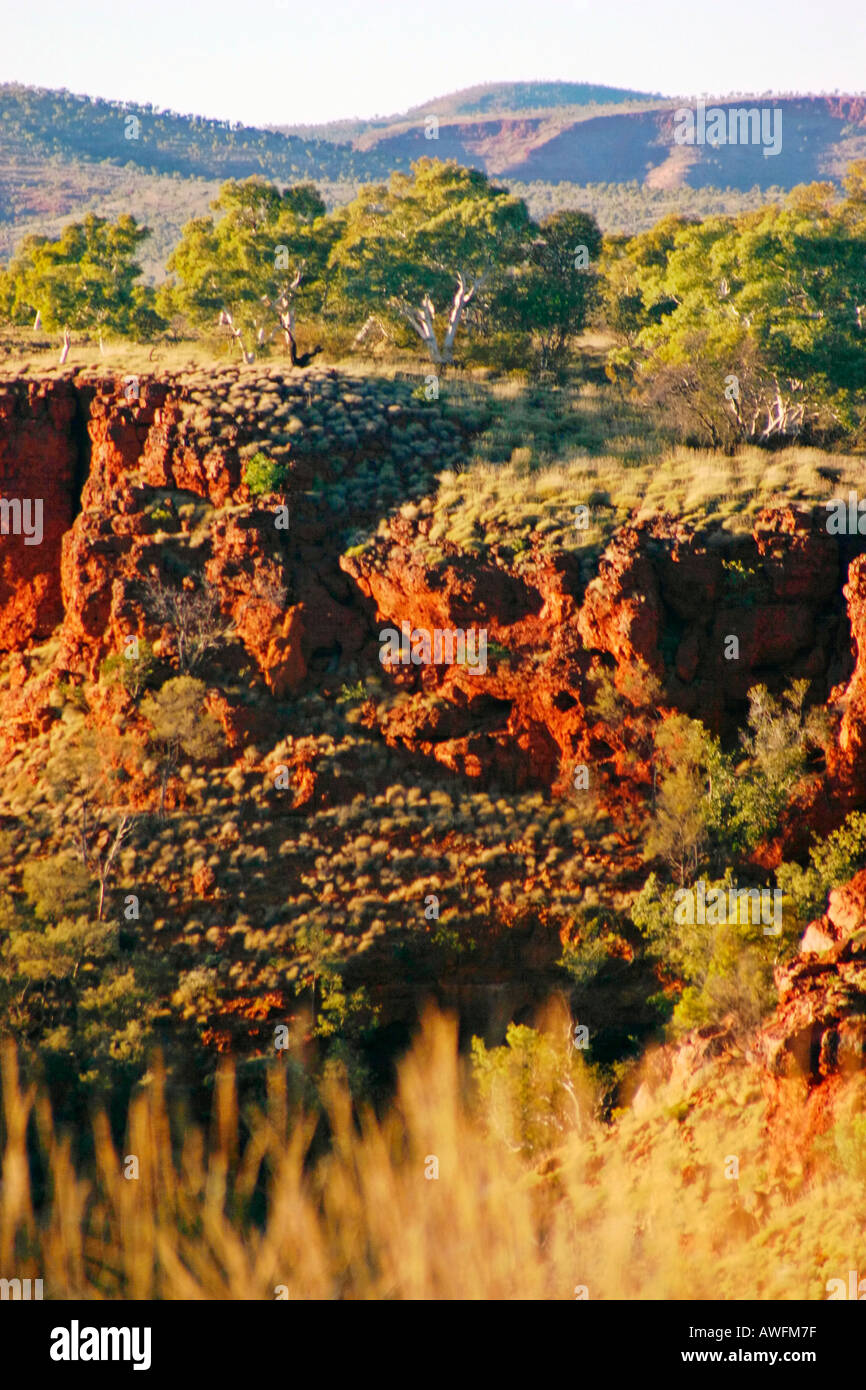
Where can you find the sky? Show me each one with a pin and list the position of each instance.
(284, 62)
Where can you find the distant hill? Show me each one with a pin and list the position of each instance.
(563, 144)
(37, 122)
(549, 131)
(490, 98)
(634, 140)
(62, 155)
(497, 98)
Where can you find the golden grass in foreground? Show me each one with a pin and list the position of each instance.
(640, 1209)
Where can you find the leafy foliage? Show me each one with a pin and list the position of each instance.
(424, 241)
(85, 280)
(832, 861)
(710, 813)
(553, 294)
(726, 968)
(535, 1089)
(262, 474)
(752, 323)
(180, 724)
(253, 267)
(133, 673)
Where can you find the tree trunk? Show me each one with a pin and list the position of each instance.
(66, 345)
(421, 320)
(226, 318)
(123, 828)
(462, 297)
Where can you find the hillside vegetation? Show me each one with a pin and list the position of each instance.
(509, 1189)
(538, 974)
(559, 145)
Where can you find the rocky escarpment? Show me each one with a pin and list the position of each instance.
(163, 493)
(151, 482)
(708, 614)
(145, 477)
(39, 457)
(819, 1029)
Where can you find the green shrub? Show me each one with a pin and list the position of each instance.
(349, 693)
(586, 958)
(262, 474)
(725, 968)
(135, 674)
(59, 886)
(534, 1090)
(833, 860)
(73, 694)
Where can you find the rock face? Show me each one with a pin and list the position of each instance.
(849, 766)
(38, 465)
(675, 600)
(710, 620)
(147, 481)
(819, 1029)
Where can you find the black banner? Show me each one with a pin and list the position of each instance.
(80, 1340)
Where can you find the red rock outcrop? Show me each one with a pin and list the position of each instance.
(848, 768)
(819, 1028)
(663, 596)
(130, 488)
(38, 463)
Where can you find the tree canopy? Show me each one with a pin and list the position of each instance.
(428, 242)
(249, 268)
(86, 280)
(758, 320)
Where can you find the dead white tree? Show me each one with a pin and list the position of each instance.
(371, 325)
(194, 616)
(226, 320)
(104, 858)
(67, 343)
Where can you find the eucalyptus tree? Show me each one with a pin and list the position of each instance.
(252, 266)
(429, 243)
(84, 281)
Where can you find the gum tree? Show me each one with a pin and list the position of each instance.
(552, 295)
(428, 243)
(85, 281)
(180, 724)
(758, 323)
(88, 778)
(254, 265)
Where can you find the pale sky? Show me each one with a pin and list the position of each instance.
(281, 61)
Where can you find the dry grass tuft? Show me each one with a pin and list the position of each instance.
(637, 1209)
